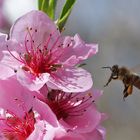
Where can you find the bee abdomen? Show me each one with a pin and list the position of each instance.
(136, 81)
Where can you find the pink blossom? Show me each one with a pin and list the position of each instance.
(18, 99)
(38, 54)
(98, 134)
(26, 117)
(22, 115)
(13, 127)
(77, 112)
(27, 127)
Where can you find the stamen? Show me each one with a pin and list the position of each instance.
(42, 58)
(47, 42)
(31, 39)
(35, 30)
(13, 55)
(68, 104)
(18, 128)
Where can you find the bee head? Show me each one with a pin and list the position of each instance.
(115, 71)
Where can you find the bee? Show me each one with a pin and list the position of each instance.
(128, 78)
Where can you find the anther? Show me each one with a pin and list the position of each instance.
(63, 29)
(83, 98)
(90, 95)
(15, 70)
(69, 130)
(30, 110)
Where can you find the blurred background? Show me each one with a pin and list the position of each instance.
(115, 26)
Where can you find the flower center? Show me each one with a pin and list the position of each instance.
(17, 128)
(66, 105)
(40, 58)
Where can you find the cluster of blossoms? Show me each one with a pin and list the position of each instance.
(44, 94)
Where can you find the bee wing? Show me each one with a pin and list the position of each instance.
(136, 69)
(136, 77)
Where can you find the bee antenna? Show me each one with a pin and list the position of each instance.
(107, 68)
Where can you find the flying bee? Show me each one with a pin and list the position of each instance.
(128, 78)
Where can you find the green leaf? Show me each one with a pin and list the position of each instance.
(39, 4)
(48, 6)
(81, 65)
(44, 6)
(68, 6)
(51, 9)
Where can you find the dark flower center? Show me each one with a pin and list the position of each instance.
(66, 105)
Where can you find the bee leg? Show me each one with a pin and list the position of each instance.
(109, 80)
(127, 91)
(125, 88)
(125, 94)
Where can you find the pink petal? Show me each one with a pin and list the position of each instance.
(9, 60)
(13, 95)
(8, 65)
(42, 131)
(97, 134)
(3, 37)
(45, 112)
(5, 72)
(44, 91)
(2, 123)
(97, 93)
(77, 49)
(37, 23)
(71, 80)
(104, 117)
(66, 135)
(102, 131)
(86, 122)
(31, 81)
(11, 44)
